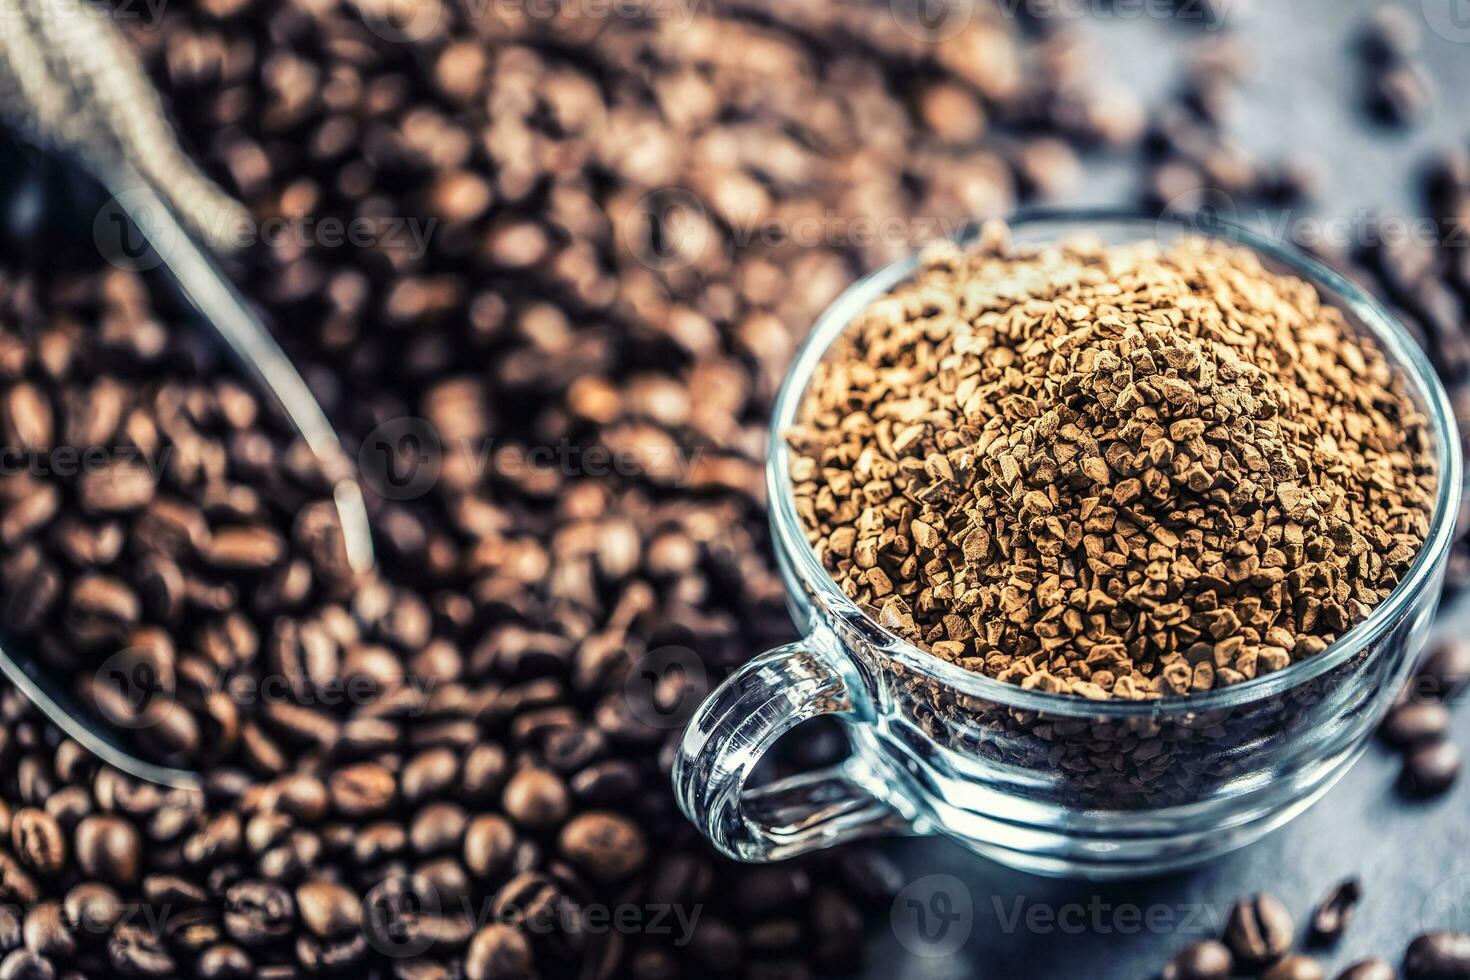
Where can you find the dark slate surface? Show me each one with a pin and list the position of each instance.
(1413, 857)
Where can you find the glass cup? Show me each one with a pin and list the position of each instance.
(1052, 784)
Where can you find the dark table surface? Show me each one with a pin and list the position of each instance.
(1413, 857)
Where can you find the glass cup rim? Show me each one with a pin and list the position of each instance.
(1403, 353)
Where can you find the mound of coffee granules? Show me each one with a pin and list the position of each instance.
(1111, 471)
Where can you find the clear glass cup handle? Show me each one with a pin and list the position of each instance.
(736, 725)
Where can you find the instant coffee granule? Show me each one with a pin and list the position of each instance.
(1111, 471)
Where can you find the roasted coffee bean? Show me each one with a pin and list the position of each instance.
(1331, 916)
(1295, 967)
(11, 935)
(328, 909)
(604, 845)
(224, 961)
(258, 913)
(429, 773)
(15, 883)
(47, 933)
(1401, 94)
(109, 848)
(1259, 930)
(438, 827)
(91, 909)
(1445, 670)
(499, 952)
(133, 951)
(536, 798)
(1372, 969)
(379, 842)
(1204, 960)
(1438, 956)
(1391, 36)
(1414, 723)
(489, 841)
(1430, 769)
(38, 840)
(362, 790)
(606, 783)
(22, 964)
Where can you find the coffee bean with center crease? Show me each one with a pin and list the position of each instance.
(328, 909)
(224, 961)
(1259, 930)
(499, 952)
(605, 845)
(1204, 960)
(362, 790)
(38, 840)
(1371, 969)
(1438, 956)
(134, 951)
(1295, 967)
(258, 913)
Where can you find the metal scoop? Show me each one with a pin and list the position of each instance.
(70, 84)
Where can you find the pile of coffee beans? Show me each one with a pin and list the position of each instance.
(169, 544)
(1260, 935)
